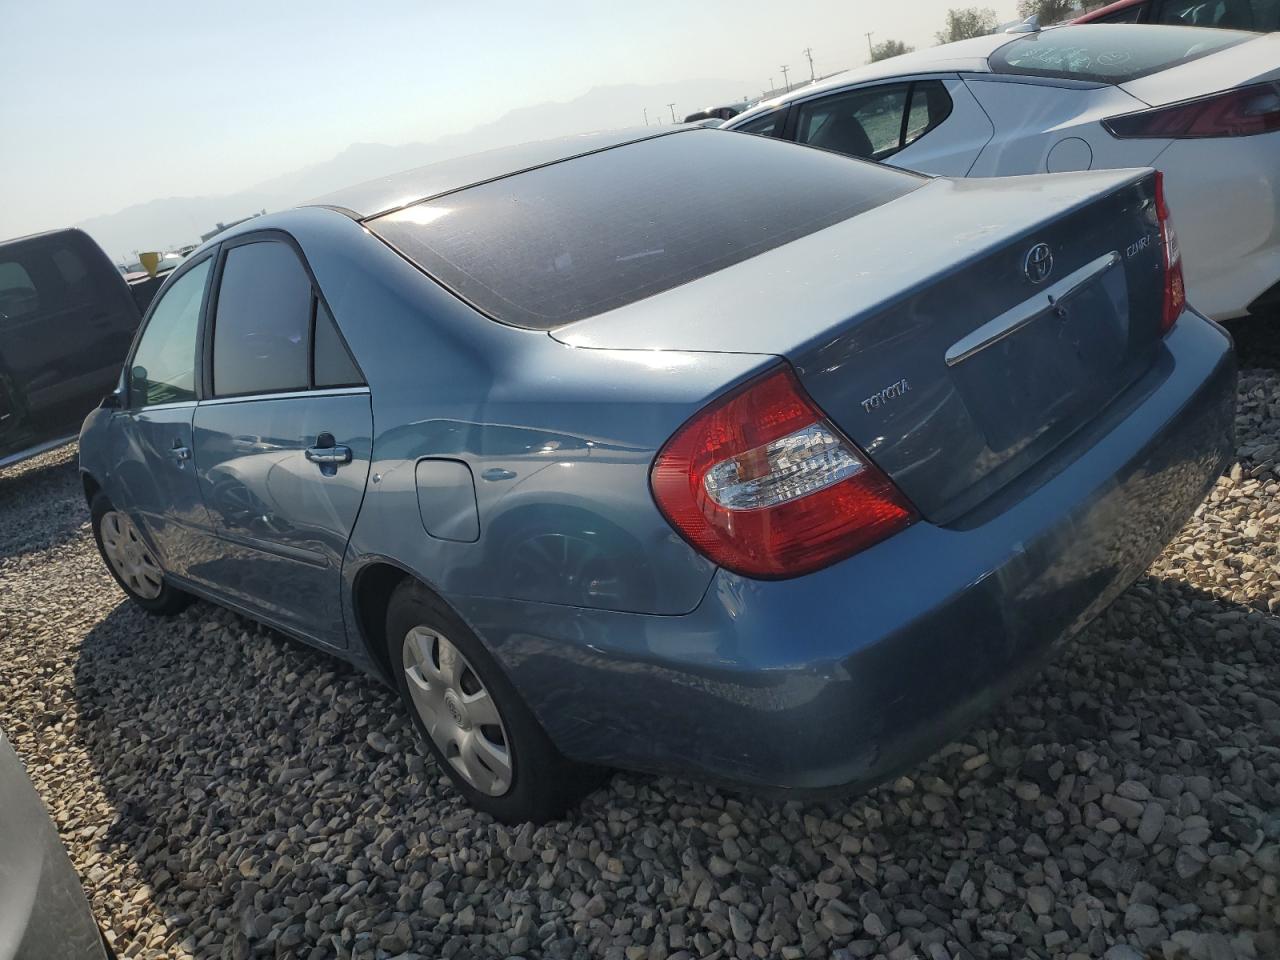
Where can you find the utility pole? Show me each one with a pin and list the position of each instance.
(672, 108)
(785, 82)
(771, 86)
(646, 116)
(870, 51)
(808, 52)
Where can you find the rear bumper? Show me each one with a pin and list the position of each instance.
(842, 677)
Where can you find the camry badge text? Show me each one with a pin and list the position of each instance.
(1138, 245)
(892, 392)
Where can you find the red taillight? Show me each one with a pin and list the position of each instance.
(1175, 294)
(1236, 113)
(763, 484)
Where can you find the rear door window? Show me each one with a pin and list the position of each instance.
(76, 279)
(555, 244)
(261, 329)
(863, 123)
(876, 122)
(1108, 52)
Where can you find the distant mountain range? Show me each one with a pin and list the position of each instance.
(174, 221)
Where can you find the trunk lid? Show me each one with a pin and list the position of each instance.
(920, 328)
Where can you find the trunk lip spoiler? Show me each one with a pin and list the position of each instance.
(1024, 313)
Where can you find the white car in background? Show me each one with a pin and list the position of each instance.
(1201, 105)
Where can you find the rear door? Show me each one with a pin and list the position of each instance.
(282, 442)
(930, 124)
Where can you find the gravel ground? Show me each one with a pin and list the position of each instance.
(225, 792)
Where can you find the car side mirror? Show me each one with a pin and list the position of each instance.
(135, 387)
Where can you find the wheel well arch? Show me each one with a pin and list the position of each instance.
(91, 486)
(371, 592)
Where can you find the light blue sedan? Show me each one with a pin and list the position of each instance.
(689, 452)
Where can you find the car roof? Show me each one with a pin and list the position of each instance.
(43, 234)
(376, 197)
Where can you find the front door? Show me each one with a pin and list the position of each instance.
(283, 444)
(153, 476)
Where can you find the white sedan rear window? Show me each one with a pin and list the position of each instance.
(1110, 52)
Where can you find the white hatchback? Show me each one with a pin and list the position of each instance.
(1201, 105)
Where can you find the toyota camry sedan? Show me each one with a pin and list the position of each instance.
(1200, 105)
(603, 456)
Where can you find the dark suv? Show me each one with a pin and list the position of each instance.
(66, 321)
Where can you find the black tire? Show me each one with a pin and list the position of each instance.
(543, 783)
(168, 601)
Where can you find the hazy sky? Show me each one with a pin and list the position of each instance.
(103, 105)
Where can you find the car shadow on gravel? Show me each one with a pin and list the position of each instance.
(48, 494)
(25, 478)
(253, 778)
(1257, 341)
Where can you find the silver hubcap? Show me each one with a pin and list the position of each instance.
(130, 557)
(458, 712)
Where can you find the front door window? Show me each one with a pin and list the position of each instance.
(164, 365)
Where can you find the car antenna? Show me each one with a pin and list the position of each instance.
(1029, 25)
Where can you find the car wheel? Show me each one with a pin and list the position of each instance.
(475, 724)
(131, 561)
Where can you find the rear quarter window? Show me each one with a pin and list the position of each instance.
(566, 241)
(18, 296)
(1110, 52)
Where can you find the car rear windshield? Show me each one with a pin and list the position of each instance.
(566, 241)
(1110, 52)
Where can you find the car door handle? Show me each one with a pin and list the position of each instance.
(328, 455)
(180, 451)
